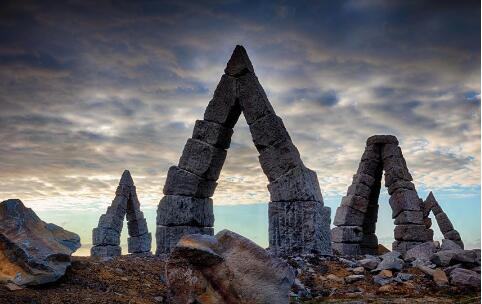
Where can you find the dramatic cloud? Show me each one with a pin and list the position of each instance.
(91, 88)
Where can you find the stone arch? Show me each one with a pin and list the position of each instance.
(106, 237)
(356, 217)
(443, 221)
(298, 221)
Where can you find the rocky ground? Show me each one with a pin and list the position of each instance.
(129, 279)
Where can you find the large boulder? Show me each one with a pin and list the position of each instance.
(32, 252)
(226, 268)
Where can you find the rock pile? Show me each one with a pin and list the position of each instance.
(227, 268)
(442, 219)
(357, 215)
(106, 237)
(32, 252)
(298, 221)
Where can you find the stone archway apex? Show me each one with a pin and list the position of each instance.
(106, 237)
(298, 221)
(356, 218)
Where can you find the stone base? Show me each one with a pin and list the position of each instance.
(168, 236)
(298, 227)
(105, 251)
(404, 246)
(138, 244)
(346, 249)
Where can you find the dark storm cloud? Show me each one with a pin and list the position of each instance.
(90, 88)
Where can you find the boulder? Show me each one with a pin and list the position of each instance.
(168, 236)
(449, 245)
(369, 263)
(465, 277)
(390, 262)
(32, 251)
(227, 268)
(423, 251)
(444, 258)
(202, 159)
(182, 182)
(354, 278)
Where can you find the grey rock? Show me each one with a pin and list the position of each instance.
(370, 167)
(372, 152)
(390, 263)
(167, 237)
(404, 201)
(347, 234)
(182, 182)
(202, 159)
(369, 263)
(444, 258)
(296, 227)
(224, 108)
(354, 278)
(369, 241)
(137, 227)
(298, 184)
(413, 233)
(423, 251)
(449, 245)
(391, 254)
(431, 202)
(33, 252)
(105, 236)
(444, 223)
(365, 179)
(427, 222)
(382, 139)
(325, 233)
(105, 251)
(382, 280)
(404, 246)
(212, 133)
(359, 190)
(465, 257)
(199, 249)
(391, 150)
(138, 244)
(347, 216)
(465, 277)
(395, 174)
(453, 235)
(176, 210)
(409, 217)
(253, 100)
(239, 63)
(346, 249)
(279, 158)
(356, 202)
(403, 277)
(400, 185)
(111, 221)
(246, 274)
(267, 130)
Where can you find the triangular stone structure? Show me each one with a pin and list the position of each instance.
(106, 237)
(298, 221)
(357, 215)
(442, 219)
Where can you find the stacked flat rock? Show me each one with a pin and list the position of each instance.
(357, 215)
(106, 237)
(298, 220)
(442, 219)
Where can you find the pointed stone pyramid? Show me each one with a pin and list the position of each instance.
(298, 221)
(358, 212)
(106, 237)
(442, 219)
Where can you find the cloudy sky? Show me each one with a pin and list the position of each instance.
(87, 91)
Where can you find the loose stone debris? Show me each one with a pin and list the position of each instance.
(32, 252)
(298, 220)
(106, 237)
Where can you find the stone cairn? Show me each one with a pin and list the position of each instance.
(298, 221)
(357, 215)
(442, 219)
(106, 237)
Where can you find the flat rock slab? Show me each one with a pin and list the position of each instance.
(139, 244)
(212, 133)
(32, 251)
(236, 270)
(298, 184)
(279, 159)
(202, 159)
(347, 216)
(183, 182)
(104, 251)
(413, 233)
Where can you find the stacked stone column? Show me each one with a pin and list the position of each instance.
(187, 207)
(106, 237)
(357, 215)
(442, 219)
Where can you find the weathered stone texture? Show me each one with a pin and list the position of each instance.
(176, 210)
(253, 100)
(202, 159)
(347, 216)
(412, 233)
(279, 158)
(182, 182)
(212, 133)
(407, 200)
(224, 108)
(105, 236)
(167, 237)
(382, 139)
(137, 227)
(347, 234)
(356, 202)
(409, 217)
(346, 249)
(444, 223)
(295, 227)
(105, 251)
(298, 184)
(267, 130)
(139, 244)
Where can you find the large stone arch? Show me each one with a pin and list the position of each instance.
(106, 236)
(357, 215)
(298, 221)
